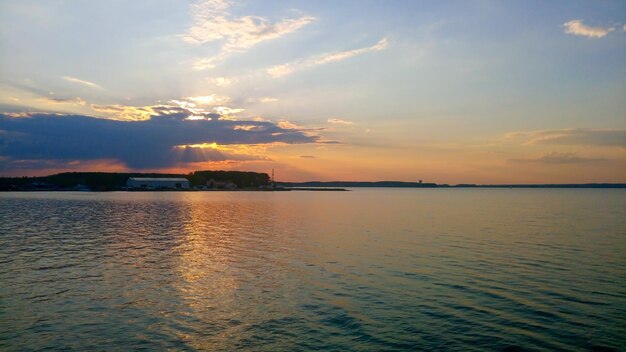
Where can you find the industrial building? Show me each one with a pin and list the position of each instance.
(157, 182)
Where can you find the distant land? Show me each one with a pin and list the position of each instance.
(401, 184)
(112, 181)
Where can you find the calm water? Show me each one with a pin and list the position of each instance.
(384, 269)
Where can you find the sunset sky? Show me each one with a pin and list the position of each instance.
(444, 91)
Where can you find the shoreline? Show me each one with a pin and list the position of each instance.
(327, 189)
(178, 190)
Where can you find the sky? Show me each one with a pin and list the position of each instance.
(489, 92)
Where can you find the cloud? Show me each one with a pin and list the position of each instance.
(291, 67)
(212, 22)
(263, 100)
(81, 81)
(559, 158)
(190, 108)
(340, 122)
(167, 138)
(72, 101)
(576, 27)
(209, 99)
(125, 113)
(221, 81)
(288, 125)
(201, 103)
(307, 156)
(227, 112)
(580, 136)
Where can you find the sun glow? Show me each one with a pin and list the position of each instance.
(243, 149)
(201, 146)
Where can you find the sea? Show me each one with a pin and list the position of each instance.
(364, 270)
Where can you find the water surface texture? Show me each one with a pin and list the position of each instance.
(367, 270)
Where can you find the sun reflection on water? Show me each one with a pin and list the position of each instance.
(228, 253)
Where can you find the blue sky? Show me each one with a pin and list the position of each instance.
(448, 91)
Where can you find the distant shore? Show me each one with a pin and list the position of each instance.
(143, 190)
(331, 187)
(400, 184)
(214, 180)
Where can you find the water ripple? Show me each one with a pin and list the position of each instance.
(369, 270)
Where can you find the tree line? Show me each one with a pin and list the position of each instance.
(117, 180)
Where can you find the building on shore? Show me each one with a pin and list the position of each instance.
(157, 182)
(229, 185)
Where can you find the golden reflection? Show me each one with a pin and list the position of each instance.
(206, 284)
(205, 251)
(224, 260)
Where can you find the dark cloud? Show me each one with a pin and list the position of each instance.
(330, 142)
(559, 158)
(307, 156)
(139, 144)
